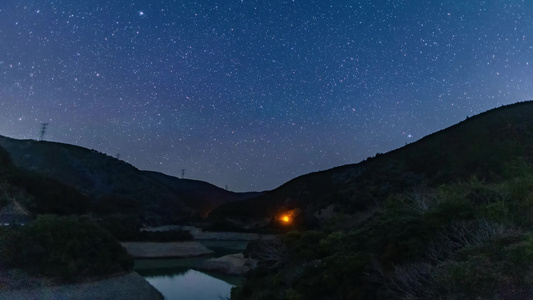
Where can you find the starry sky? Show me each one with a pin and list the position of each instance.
(249, 93)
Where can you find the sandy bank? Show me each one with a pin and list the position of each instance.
(233, 264)
(165, 250)
(126, 287)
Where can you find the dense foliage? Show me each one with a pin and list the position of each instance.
(465, 240)
(68, 248)
(447, 217)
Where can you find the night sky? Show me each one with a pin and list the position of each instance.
(251, 94)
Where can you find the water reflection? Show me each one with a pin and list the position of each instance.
(191, 285)
(176, 279)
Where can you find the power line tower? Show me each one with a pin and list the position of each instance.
(42, 133)
(183, 173)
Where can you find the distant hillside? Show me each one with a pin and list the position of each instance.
(163, 198)
(36, 193)
(481, 145)
(447, 217)
(199, 195)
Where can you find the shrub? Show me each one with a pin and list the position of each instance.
(68, 248)
(501, 269)
(305, 245)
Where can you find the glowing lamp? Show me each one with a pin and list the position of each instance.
(285, 219)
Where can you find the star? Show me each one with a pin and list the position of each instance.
(246, 96)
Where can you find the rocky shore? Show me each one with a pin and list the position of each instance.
(233, 264)
(124, 287)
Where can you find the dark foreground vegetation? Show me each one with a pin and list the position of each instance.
(468, 240)
(65, 248)
(58, 233)
(447, 217)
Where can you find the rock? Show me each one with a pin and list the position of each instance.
(233, 264)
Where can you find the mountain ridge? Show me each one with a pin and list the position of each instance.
(165, 199)
(423, 161)
(446, 217)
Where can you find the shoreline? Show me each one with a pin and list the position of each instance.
(127, 286)
(199, 235)
(154, 250)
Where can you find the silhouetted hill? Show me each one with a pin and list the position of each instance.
(479, 146)
(200, 195)
(100, 177)
(447, 217)
(36, 193)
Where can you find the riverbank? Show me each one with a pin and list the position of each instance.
(198, 234)
(165, 250)
(126, 287)
(232, 264)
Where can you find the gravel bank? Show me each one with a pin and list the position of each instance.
(126, 287)
(165, 250)
(233, 264)
(199, 234)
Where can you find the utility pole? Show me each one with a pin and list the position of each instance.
(42, 133)
(183, 173)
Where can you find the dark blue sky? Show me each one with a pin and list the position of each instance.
(250, 94)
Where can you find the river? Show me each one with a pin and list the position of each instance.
(176, 278)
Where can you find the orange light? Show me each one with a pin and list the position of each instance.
(285, 219)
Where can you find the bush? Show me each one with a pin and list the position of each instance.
(305, 245)
(68, 248)
(501, 269)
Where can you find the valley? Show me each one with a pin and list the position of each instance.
(448, 216)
